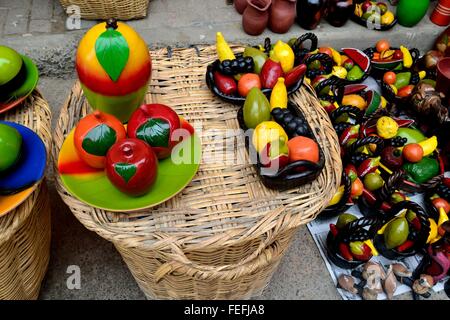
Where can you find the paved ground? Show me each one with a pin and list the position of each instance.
(37, 28)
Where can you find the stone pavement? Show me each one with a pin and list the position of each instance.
(37, 28)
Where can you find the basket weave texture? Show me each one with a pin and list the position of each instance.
(103, 9)
(223, 236)
(25, 231)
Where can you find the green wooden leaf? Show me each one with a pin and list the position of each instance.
(112, 51)
(155, 132)
(99, 140)
(125, 170)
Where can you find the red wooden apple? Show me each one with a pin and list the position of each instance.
(131, 166)
(155, 124)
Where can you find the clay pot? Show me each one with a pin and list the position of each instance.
(256, 16)
(240, 5)
(282, 15)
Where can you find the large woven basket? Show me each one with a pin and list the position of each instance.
(25, 231)
(103, 9)
(224, 235)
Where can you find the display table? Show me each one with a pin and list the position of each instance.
(223, 236)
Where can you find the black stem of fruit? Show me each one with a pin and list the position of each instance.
(111, 23)
(127, 151)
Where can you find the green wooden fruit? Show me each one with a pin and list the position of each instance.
(410, 12)
(259, 58)
(413, 135)
(256, 108)
(396, 232)
(10, 64)
(344, 219)
(10, 145)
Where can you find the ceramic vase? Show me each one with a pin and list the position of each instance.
(256, 16)
(410, 12)
(282, 15)
(240, 5)
(309, 13)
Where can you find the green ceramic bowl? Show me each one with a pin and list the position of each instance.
(10, 64)
(24, 83)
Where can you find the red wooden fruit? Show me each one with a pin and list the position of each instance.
(132, 166)
(359, 57)
(155, 124)
(94, 135)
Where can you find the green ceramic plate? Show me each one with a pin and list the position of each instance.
(93, 187)
(17, 96)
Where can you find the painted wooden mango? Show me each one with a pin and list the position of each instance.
(114, 67)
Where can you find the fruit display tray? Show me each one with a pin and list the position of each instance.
(294, 174)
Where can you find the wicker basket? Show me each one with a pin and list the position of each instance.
(223, 236)
(25, 231)
(103, 9)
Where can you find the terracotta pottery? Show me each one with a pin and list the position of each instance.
(282, 15)
(256, 16)
(240, 5)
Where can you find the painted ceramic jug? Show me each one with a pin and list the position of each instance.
(256, 16)
(240, 5)
(282, 15)
(410, 12)
(114, 67)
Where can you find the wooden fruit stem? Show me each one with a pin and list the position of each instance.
(111, 23)
(98, 115)
(127, 151)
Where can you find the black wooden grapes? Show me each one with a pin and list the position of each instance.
(443, 191)
(340, 127)
(294, 125)
(236, 66)
(398, 142)
(358, 158)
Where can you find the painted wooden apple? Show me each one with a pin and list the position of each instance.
(114, 67)
(10, 146)
(132, 166)
(94, 136)
(155, 124)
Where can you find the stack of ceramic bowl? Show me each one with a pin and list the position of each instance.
(23, 159)
(23, 153)
(24, 204)
(18, 78)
